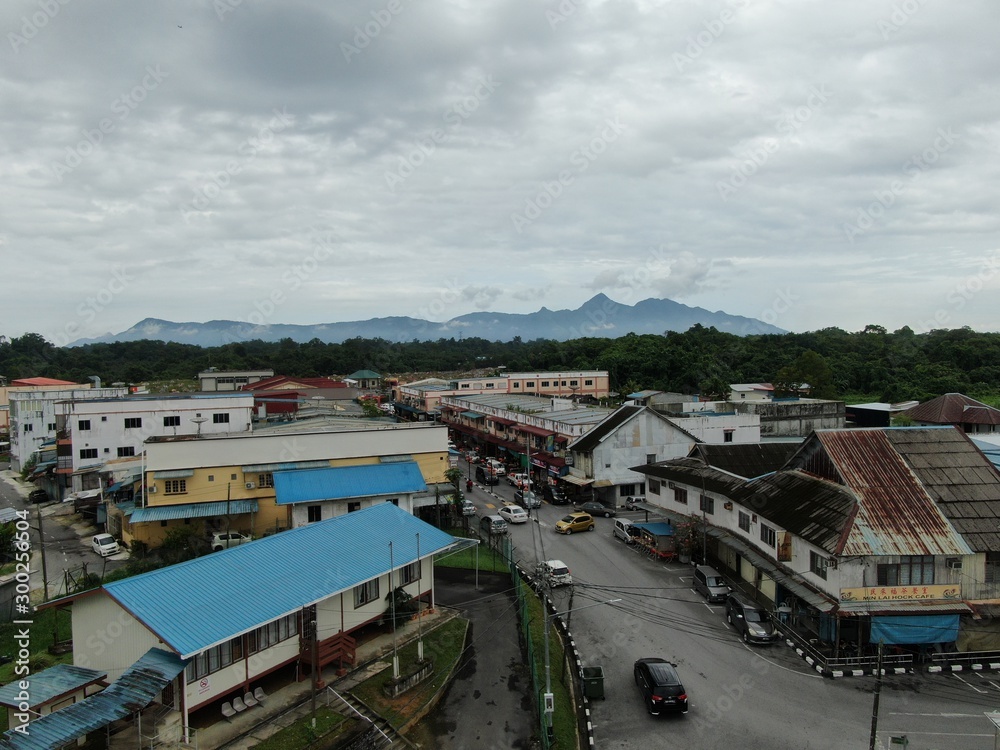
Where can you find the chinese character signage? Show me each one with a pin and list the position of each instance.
(901, 593)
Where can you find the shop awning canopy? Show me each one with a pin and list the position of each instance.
(539, 431)
(473, 415)
(194, 510)
(577, 480)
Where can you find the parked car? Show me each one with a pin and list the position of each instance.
(518, 480)
(660, 686)
(750, 620)
(625, 530)
(229, 539)
(105, 544)
(38, 496)
(632, 502)
(513, 514)
(554, 495)
(595, 508)
(496, 467)
(492, 525)
(710, 584)
(527, 499)
(556, 572)
(575, 522)
(468, 509)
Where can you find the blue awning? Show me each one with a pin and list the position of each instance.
(194, 510)
(124, 483)
(135, 689)
(912, 629)
(473, 415)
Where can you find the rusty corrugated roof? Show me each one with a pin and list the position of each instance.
(896, 513)
(954, 408)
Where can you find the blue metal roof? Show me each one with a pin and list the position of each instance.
(656, 529)
(472, 415)
(194, 510)
(135, 689)
(202, 602)
(51, 683)
(348, 481)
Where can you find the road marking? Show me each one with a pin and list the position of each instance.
(969, 684)
(781, 666)
(938, 715)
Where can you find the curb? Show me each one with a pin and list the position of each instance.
(984, 666)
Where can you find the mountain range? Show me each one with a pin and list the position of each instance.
(599, 317)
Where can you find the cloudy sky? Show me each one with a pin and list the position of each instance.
(810, 163)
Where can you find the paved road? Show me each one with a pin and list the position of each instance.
(746, 697)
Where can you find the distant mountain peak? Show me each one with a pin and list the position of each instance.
(599, 317)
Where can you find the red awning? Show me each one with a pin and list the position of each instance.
(540, 432)
(501, 420)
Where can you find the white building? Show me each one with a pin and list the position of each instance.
(33, 417)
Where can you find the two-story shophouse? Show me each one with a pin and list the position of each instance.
(870, 535)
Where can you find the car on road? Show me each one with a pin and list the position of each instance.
(527, 499)
(468, 509)
(661, 687)
(105, 544)
(554, 495)
(595, 508)
(38, 496)
(486, 477)
(513, 514)
(750, 620)
(518, 480)
(556, 572)
(575, 522)
(496, 467)
(226, 539)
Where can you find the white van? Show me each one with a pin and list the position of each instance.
(625, 530)
(709, 583)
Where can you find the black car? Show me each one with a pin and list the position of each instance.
(527, 500)
(751, 621)
(595, 508)
(554, 495)
(38, 496)
(660, 686)
(484, 476)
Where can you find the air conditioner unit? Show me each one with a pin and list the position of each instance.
(831, 562)
(152, 489)
(727, 505)
(671, 485)
(955, 563)
(251, 486)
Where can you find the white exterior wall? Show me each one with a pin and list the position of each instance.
(33, 413)
(392, 440)
(630, 445)
(334, 508)
(108, 433)
(745, 428)
(107, 637)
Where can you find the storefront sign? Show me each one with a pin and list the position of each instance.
(900, 593)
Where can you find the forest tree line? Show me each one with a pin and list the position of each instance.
(887, 366)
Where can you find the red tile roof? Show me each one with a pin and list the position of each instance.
(954, 408)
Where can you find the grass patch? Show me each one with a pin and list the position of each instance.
(489, 559)
(301, 734)
(564, 718)
(444, 645)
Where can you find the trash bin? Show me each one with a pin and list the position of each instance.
(593, 682)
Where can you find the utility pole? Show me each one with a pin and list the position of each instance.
(41, 546)
(878, 691)
(314, 628)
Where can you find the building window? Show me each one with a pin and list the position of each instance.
(588, 382)
(314, 513)
(516, 384)
(174, 421)
(232, 477)
(574, 382)
(29, 427)
(366, 592)
(626, 490)
(680, 496)
(126, 451)
(654, 486)
(83, 425)
(274, 632)
(489, 385)
(727, 436)
(817, 565)
(530, 384)
(220, 418)
(409, 573)
(650, 458)
(992, 572)
(88, 453)
(211, 477)
(464, 385)
(545, 384)
(265, 480)
(744, 521)
(767, 535)
(706, 505)
(563, 382)
(175, 486)
(394, 501)
(911, 570)
(133, 423)
(215, 658)
(51, 426)
(351, 507)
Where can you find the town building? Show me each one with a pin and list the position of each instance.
(214, 379)
(956, 409)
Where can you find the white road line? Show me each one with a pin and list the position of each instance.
(781, 666)
(937, 715)
(958, 677)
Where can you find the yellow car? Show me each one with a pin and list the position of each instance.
(575, 522)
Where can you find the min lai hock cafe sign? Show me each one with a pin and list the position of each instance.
(901, 593)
